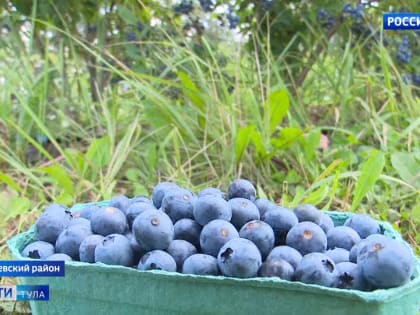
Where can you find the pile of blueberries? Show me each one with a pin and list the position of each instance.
(233, 234)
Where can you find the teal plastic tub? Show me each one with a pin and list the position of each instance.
(103, 289)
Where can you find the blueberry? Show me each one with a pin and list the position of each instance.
(140, 198)
(308, 212)
(215, 234)
(242, 188)
(385, 263)
(261, 234)
(115, 249)
(211, 191)
(188, 230)
(276, 267)
(108, 220)
(316, 268)
(120, 202)
(207, 5)
(181, 250)
(363, 224)
(178, 204)
(281, 220)
(326, 222)
(353, 253)
(239, 258)
(343, 237)
(243, 211)
(157, 260)
(87, 247)
(88, 211)
(307, 237)
(159, 192)
(338, 255)
(68, 242)
(289, 254)
(38, 250)
(135, 209)
(153, 229)
(362, 246)
(201, 264)
(208, 208)
(80, 221)
(59, 257)
(137, 250)
(51, 223)
(264, 205)
(350, 277)
(183, 7)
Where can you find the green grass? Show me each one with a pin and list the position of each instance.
(205, 119)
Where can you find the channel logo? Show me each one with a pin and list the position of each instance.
(401, 21)
(24, 293)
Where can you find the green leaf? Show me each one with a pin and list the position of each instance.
(18, 206)
(60, 176)
(276, 107)
(9, 182)
(318, 195)
(98, 153)
(407, 167)
(311, 144)
(242, 140)
(126, 14)
(287, 137)
(191, 90)
(370, 172)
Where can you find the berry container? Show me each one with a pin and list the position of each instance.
(103, 289)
